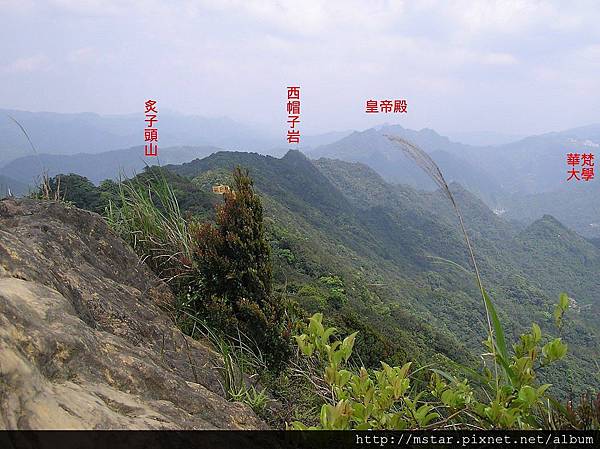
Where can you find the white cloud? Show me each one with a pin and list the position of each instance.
(96, 7)
(588, 54)
(499, 59)
(513, 16)
(228, 56)
(80, 55)
(29, 64)
(17, 6)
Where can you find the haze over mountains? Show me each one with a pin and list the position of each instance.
(524, 179)
(354, 207)
(57, 133)
(482, 138)
(531, 165)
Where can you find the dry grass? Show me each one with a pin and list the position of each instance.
(424, 161)
(45, 191)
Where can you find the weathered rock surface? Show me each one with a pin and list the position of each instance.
(84, 341)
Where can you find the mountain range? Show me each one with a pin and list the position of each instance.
(524, 180)
(56, 133)
(389, 260)
(393, 248)
(99, 166)
(531, 165)
(91, 133)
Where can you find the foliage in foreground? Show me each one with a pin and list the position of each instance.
(221, 272)
(148, 217)
(233, 286)
(386, 399)
(152, 212)
(506, 398)
(239, 359)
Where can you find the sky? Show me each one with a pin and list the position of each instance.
(513, 67)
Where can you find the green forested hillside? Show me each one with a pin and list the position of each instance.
(525, 179)
(524, 268)
(338, 227)
(575, 205)
(386, 260)
(372, 148)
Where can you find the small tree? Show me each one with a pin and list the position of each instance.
(234, 288)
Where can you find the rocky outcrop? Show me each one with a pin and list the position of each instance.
(85, 342)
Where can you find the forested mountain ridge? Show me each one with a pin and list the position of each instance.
(368, 232)
(525, 179)
(98, 166)
(526, 264)
(533, 164)
(577, 206)
(386, 259)
(372, 148)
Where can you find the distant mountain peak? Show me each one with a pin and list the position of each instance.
(550, 223)
(295, 155)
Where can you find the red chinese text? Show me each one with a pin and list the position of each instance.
(581, 166)
(151, 131)
(386, 106)
(293, 110)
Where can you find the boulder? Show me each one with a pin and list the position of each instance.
(86, 340)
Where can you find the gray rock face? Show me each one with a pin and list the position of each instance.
(85, 342)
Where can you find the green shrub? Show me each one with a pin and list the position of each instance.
(385, 399)
(233, 286)
(336, 296)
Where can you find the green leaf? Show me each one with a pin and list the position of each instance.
(327, 334)
(444, 374)
(348, 344)
(563, 301)
(558, 313)
(324, 421)
(528, 395)
(343, 377)
(423, 416)
(315, 327)
(296, 425)
(500, 340)
(541, 390)
(508, 370)
(306, 348)
(404, 370)
(561, 308)
(554, 350)
(448, 397)
(470, 371)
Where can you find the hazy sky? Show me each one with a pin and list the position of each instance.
(517, 67)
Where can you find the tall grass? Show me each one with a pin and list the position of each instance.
(148, 217)
(44, 190)
(496, 336)
(239, 358)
